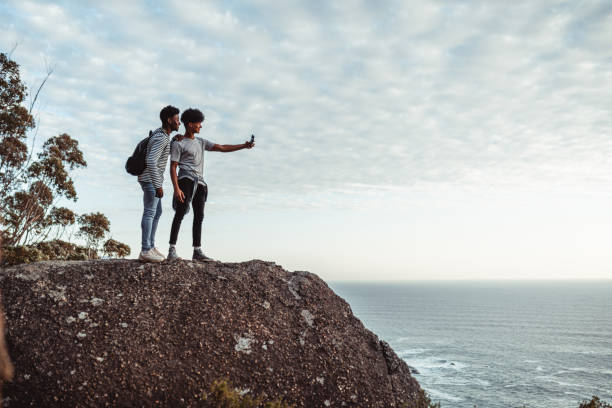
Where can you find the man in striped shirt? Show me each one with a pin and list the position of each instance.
(151, 181)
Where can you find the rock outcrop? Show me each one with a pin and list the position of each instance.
(6, 366)
(121, 333)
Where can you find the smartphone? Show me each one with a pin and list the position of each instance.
(252, 138)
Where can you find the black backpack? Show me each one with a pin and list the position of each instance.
(137, 162)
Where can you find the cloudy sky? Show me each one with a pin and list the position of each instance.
(395, 140)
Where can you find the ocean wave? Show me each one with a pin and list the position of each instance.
(433, 362)
(484, 383)
(576, 394)
(601, 351)
(411, 352)
(554, 380)
(603, 372)
(578, 369)
(436, 394)
(566, 346)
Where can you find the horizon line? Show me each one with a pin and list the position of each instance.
(482, 280)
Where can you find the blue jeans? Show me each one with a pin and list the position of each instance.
(150, 216)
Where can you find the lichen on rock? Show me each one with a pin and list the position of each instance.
(121, 333)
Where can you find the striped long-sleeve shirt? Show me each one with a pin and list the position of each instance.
(158, 149)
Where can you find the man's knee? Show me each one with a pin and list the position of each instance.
(179, 213)
(198, 214)
(148, 213)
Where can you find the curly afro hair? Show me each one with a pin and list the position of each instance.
(168, 112)
(192, 116)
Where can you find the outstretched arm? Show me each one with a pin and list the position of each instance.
(232, 148)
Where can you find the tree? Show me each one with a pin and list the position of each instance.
(94, 227)
(30, 189)
(62, 218)
(27, 213)
(115, 249)
(15, 121)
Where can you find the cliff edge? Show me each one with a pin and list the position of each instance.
(122, 333)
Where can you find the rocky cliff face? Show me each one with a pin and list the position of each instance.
(121, 333)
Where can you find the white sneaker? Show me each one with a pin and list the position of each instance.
(150, 256)
(158, 252)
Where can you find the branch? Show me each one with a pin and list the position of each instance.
(27, 163)
(43, 237)
(12, 50)
(28, 219)
(32, 220)
(40, 87)
(49, 72)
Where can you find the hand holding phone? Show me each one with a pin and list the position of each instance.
(251, 143)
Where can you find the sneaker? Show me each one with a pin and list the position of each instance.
(172, 255)
(198, 255)
(158, 252)
(150, 256)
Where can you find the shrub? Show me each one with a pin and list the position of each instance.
(65, 251)
(13, 255)
(45, 251)
(223, 395)
(595, 402)
(116, 249)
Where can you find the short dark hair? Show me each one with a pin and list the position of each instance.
(192, 116)
(166, 113)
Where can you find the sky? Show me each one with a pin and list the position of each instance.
(396, 140)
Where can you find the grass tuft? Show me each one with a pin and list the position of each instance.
(223, 395)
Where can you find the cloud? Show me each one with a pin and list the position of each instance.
(437, 124)
(465, 93)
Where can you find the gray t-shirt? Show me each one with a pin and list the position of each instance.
(189, 153)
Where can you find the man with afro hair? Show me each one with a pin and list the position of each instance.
(151, 181)
(189, 186)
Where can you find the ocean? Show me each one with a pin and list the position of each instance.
(496, 344)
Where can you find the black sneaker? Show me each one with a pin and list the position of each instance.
(198, 255)
(172, 255)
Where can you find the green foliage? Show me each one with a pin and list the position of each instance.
(45, 251)
(62, 250)
(20, 254)
(58, 153)
(94, 227)
(115, 249)
(35, 189)
(30, 188)
(595, 402)
(223, 395)
(15, 121)
(61, 218)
